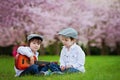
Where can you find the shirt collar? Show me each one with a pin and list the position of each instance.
(71, 46)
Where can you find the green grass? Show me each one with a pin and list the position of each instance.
(97, 68)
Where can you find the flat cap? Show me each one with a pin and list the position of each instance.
(69, 32)
(31, 36)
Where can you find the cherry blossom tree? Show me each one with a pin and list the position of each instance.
(100, 25)
(96, 21)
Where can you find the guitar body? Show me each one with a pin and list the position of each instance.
(22, 62)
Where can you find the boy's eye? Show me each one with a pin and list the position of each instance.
(36, 43)
(66, 39)
(33, 43)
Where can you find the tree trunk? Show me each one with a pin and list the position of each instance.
(104, 48)
(57, 47)
(88, 49)
(118, 48)
(42, 50)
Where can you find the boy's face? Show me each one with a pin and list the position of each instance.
(67, 42)
(35, 45)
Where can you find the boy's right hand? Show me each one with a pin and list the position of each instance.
(62, 68)
(31, 60)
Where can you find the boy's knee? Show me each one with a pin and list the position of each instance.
(34, 66)
(52, 64)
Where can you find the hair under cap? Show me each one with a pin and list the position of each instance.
(69, 32)
(31, 36)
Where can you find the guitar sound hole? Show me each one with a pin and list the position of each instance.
(22, 61)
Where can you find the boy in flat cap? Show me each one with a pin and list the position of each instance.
(21, 67)
(72, 57)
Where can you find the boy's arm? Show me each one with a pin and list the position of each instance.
(80, 59)
(24, 51)
(62, 59)
(31, 60)
(62, 64)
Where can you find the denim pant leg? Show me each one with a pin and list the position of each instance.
(54, 67)
(71, 70)
(33, 69)
(43, 68)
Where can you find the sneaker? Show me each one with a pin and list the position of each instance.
(57, 72)
(40, 74)
(47, 73)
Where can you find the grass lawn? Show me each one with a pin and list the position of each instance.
(97, 68)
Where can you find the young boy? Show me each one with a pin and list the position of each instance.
(72, 57)
(34, 42)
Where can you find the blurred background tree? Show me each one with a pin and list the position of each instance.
(97, 21)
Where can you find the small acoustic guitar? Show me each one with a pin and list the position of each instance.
(22, 62)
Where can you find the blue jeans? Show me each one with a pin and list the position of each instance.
(71, 70)
(55, 67)
(34, 69)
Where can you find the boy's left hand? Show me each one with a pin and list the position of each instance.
(69, 66)
(62, 68)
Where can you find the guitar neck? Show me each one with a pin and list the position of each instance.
(45, 62)
(42, 62)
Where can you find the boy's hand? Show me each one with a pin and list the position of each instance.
(62, 68)
(31, 60)
(69, 66)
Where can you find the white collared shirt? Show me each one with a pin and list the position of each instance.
(74, 57)
(24, 51)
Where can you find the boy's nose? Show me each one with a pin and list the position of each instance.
(63, 41)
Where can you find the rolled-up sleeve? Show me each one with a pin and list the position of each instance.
(24, 51)
(62, 63)
(80, 61)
